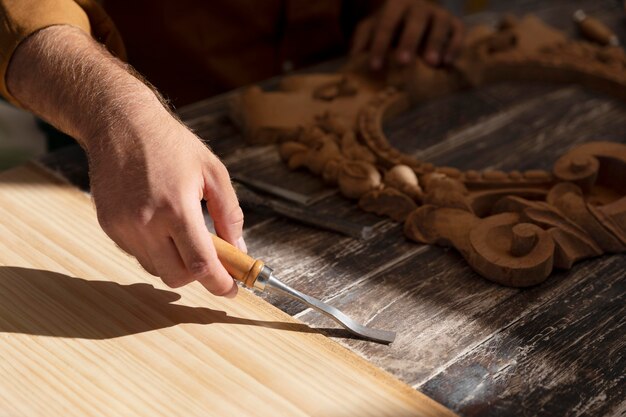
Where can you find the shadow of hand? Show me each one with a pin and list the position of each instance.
(47, 303)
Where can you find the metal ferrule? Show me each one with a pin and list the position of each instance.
(264, 276)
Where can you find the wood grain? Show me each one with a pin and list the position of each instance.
(322, 262)
(458, 333)
(447, 316)
(85, 332)
(571, 115)
(569, 352)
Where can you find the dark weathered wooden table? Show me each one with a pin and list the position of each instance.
(481, 349)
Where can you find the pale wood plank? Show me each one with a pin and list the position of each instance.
(85, 332)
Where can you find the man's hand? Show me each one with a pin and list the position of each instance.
(420, 28)
(147, 190)
(148, 172)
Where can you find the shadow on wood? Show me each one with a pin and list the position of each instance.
(45, 303)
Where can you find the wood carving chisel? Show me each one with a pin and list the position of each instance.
(253, 273)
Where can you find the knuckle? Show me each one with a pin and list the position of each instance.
(220, 167)
(216, 167)
(235, 216)
(164, 210)
(169, 210)
(142, 214)
(217, 174)
(199, 268)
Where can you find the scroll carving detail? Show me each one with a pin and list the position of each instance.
(512, 227)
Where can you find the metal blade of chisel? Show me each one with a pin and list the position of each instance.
(382, 336)
(253, 273)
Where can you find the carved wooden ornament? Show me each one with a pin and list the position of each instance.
(513, 227)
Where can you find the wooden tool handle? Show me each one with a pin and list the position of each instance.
(239, 265)
(595, 30)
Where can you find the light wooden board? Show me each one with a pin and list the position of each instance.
(85, 332)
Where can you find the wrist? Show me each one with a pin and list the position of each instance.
(123, 120)
(68, 79)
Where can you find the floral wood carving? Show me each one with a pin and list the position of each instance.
(512, 227)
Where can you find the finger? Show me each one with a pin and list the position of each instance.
(168, 262)
(362, 36)
(131, 246)
(146, 263)
(414, 28)
(223, 206)
(194, 245)
(455, 43)
(123, 246)
(389, 20)
(437, 37)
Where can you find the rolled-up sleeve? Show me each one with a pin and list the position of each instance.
(21, 18)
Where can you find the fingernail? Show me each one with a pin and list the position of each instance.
(233, 292)
(376, 63)
(241, 245)
(433, 58)
(405, 57)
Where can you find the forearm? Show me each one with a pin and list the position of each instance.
(68, 79)
(148, 172)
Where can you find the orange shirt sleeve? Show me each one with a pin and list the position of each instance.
(21, 18)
